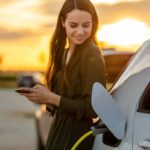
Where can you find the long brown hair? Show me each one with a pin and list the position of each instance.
(59, 38)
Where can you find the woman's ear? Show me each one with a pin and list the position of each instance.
(62, 22)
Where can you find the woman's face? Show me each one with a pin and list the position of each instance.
(78, 25)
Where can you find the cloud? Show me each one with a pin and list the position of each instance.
(138, 10)
(29, 18)
(27, 14)
(112, 2)
(22, 19)
(49, 7)
(4, 3)
(6, 34)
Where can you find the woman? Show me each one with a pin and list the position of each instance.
(70, 76)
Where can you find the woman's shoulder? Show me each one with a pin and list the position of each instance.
(91, 50)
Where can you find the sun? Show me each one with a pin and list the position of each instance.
(124, 33)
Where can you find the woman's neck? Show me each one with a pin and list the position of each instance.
(71, 48)
(70, 53)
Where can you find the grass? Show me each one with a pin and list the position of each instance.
(8, 80)
(7, 83)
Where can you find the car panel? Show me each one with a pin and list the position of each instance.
(114, 119)
(127, 92)
(139, 62)
(141, 130)
(43, 122)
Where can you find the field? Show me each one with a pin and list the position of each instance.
(8, 80)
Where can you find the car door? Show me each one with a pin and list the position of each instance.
(141, 129)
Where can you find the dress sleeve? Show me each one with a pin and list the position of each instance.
(92, 70)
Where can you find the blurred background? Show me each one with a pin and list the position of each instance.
(26, 27)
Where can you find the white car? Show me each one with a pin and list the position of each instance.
(125, 110)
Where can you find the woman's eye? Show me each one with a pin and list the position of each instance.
(86, 26)
(73, 25)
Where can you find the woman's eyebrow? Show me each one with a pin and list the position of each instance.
(73, 22)
(88, 22)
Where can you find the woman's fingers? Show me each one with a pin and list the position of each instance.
(26, 90)
(38, 94)
(38, 86)
(32, 97)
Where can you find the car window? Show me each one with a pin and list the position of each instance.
(144, 105)
(120, 74)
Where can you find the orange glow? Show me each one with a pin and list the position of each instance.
(112, 1)
(20, 61)
(27, 25)
(104, 1)
(26, 55)
(125, 33)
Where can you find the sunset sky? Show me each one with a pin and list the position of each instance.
(27, 25)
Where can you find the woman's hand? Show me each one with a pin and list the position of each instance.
(41, 95)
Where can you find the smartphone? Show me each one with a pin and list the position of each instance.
(22, 91)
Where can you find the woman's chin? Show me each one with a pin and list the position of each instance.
(79, 42)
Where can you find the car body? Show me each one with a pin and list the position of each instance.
(43, 121)
(131, 94)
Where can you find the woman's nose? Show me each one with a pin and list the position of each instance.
(80, 31)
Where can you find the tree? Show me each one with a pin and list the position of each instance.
(42, 59)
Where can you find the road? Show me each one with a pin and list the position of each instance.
(17, 124)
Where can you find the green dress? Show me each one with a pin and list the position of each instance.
(74, 116)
